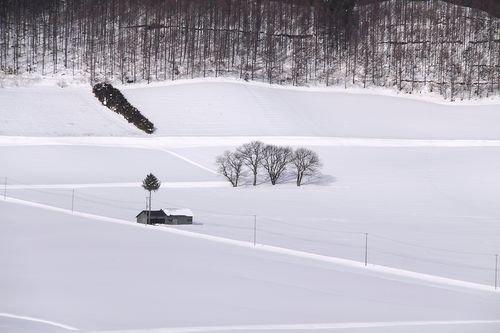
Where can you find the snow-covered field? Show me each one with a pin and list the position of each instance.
(425, 209)
(100, 276)
(54, 111)
(421, 179)
(209, 108)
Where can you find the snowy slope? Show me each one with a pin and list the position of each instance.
(55, 111)
(92, 275)
(214, 108)
(411, 200)
(87, 164)
(225, 108)
(420, 178)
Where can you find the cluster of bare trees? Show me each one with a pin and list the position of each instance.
(410, 45)
(275, 161)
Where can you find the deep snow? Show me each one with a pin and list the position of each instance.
(421, 178)
(431, 210)
(213, 108)
(54, 111)
(140, 278)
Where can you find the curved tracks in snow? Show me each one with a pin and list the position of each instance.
(38, 320)
(306, 327)
(260, 328)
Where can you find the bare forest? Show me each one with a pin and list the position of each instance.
(411, 46)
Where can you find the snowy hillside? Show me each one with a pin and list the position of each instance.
(214, 108)
(237, 109)
(97, 276)
(55, 111)
(398, 234)
(408, 199)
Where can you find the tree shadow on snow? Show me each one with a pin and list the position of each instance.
(320, 179)
(289, 178)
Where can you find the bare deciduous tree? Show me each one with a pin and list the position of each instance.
(230, 165)
(306, 162)
(411, 45)
(275, 161)
(252, 154)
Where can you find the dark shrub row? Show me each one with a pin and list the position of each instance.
(115, 101)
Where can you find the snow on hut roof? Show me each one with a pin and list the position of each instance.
(178, 211)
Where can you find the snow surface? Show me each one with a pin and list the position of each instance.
(85, 164)
(213, 108)
(54, 111)
(421, 178)
(219, 283)
(427, 209)
(383, 271)
(208, 109)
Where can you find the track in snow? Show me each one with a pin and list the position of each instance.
(201, 184)
(303, 327)
(276, 327)
(38, 320)
(164, 143)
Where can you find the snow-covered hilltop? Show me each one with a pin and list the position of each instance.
(411, 46)
(229, 108)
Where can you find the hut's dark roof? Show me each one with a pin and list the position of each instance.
(154, 213)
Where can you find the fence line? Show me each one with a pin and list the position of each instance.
(431, 247)
(455, 264)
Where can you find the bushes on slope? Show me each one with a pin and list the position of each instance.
(115, 101)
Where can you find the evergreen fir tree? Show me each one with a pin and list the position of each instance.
(150, 184)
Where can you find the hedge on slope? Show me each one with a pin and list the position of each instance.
(115, 101)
